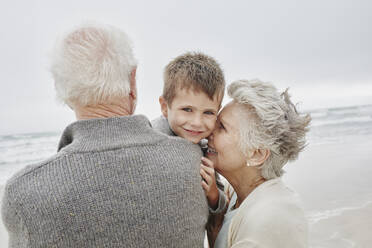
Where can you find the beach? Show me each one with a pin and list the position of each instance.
(334, 182)
(332, 175)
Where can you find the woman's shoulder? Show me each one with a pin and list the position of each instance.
(276, 197)
(273, 216)
(273, 202)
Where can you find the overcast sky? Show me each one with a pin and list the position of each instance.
(320, 49)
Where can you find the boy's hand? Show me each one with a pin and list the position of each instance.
(209, 182)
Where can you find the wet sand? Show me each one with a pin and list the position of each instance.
(334, 182)
(351, 228)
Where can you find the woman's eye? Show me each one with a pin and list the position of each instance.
(221, 126)
(187, 109)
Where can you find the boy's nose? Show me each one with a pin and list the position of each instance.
(196, 121)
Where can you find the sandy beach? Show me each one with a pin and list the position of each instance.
(334, 182)
(349, 228)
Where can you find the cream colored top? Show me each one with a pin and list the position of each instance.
(271, 216)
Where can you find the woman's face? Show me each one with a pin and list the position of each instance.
(223, 143)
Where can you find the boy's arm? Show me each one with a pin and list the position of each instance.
(222, 198)
(221, 203)
(216, 198)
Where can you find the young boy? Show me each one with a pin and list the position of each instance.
(194, 86)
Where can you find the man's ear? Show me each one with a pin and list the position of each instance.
(163, 106)
(133, 90)
(259, 156)
(70, 106)
(133, 84)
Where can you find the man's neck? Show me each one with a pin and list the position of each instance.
(117, 109)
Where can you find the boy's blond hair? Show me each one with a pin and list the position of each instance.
(193, 70)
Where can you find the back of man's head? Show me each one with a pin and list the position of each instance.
(92, 64)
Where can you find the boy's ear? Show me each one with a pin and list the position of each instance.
(163, 106)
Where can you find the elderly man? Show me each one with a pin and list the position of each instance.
(115, 182)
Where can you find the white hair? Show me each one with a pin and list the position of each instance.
(276, 125)
(92, 64)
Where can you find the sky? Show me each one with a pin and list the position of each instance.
(320, 49)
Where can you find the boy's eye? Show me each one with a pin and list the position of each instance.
(187, 109)
(209, 113)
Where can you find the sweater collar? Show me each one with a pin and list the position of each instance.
(105, 133)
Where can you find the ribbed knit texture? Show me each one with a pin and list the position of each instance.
(114, 183)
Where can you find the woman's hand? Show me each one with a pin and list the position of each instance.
(209, 182)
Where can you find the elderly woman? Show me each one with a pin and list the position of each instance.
(256, 134)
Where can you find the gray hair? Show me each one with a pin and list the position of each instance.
(276, 125)
(92, 64)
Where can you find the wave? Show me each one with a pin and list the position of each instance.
(342, 117)
(341, 110)
(27, 136)
(359, 119)
(315, 217)
(20, 150)
(317, 115)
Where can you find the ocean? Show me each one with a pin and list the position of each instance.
(340, 124)
(332, 176)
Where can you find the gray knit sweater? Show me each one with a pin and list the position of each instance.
(113, 183)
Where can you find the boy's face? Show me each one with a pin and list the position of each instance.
(192, 115)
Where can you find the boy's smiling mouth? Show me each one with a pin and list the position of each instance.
(192, 132)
